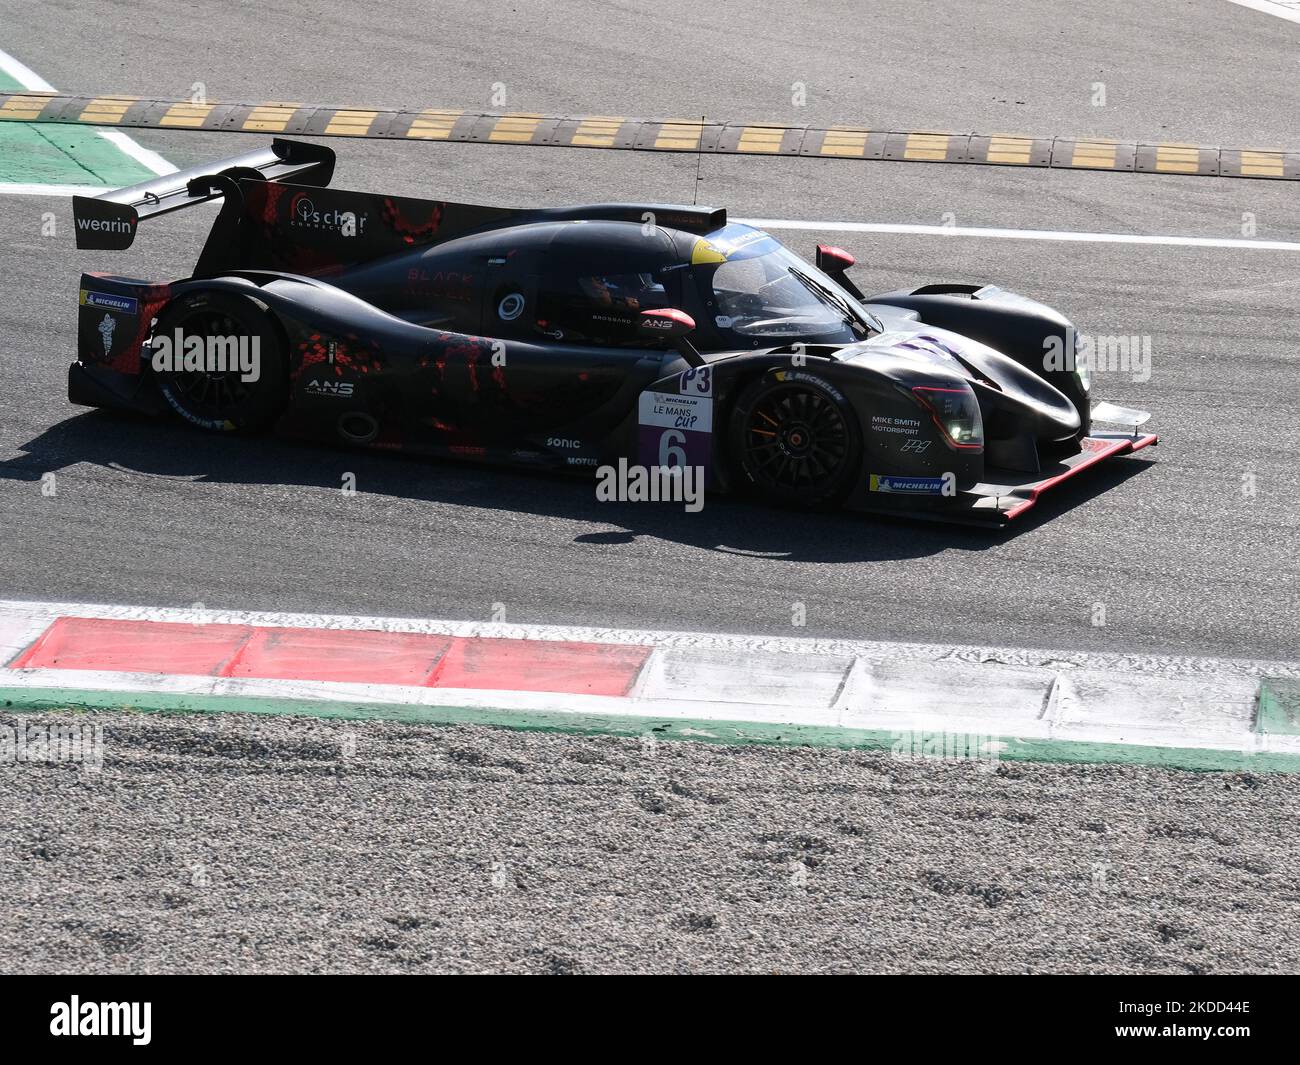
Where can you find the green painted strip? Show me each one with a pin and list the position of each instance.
(56, 700)
(1279, 707)
(54, 153)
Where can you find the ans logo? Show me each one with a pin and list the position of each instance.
(327, 387)
(305, 214)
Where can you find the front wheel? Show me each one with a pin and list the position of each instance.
(796, 440)
(220, 363)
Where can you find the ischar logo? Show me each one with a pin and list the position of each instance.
(75, 1017)
(304, 213)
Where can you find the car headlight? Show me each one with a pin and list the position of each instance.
(956, 412)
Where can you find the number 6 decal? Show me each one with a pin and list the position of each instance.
(670, 451)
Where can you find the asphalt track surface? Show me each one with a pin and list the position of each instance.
(1182, 560)
(1181, 557)
(198, 848)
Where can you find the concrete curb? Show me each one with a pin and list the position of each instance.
(615, 133)
(917, 700)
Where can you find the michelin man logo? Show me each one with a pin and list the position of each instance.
(106, 328)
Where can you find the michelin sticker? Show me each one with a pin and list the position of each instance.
(674, 430)
(110, 302)
(916, 486)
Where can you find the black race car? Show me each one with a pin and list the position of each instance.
(576, 337)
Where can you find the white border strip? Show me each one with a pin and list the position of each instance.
(1289, 12)
(24, 75)
(146, 157)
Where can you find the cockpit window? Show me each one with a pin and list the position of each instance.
(632, 292)
(776, 296)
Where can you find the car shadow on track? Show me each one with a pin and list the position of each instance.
(171, 450)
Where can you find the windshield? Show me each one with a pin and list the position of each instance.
(774, 296)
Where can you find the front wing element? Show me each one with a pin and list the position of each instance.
(1004, 496)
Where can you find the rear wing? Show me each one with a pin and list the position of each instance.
(109, 221)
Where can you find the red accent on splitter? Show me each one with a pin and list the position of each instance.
(1099, 451)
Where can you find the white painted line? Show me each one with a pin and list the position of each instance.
(146, 157)
(13, 188)
(1021, 234)
(24, 75)
(33, 82)
(1288, 11)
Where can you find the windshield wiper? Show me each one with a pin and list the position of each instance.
(838, 302)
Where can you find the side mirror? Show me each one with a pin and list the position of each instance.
(675, 326)
(832, 260)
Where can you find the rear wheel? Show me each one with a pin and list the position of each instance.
(236, 378)
(796, 440)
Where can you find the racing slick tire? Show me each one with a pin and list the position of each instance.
(794, 440)
(221, 400)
